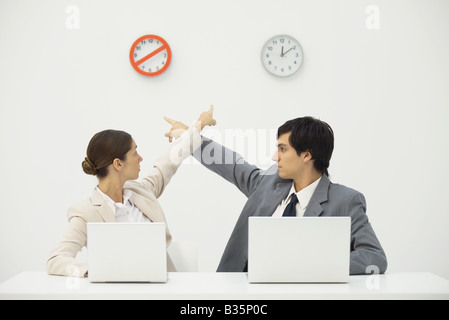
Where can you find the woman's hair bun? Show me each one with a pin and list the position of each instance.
(88, 167)
(103, 148)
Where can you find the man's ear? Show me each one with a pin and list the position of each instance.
(307, 155)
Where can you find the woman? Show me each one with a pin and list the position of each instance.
(112, 157)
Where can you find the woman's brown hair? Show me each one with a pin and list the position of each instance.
(103, 148)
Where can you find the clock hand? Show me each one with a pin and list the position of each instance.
(288, 50)
(282, 51)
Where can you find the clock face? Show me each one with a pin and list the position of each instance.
(150, 55)
(282, 55)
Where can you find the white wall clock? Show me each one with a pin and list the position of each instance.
(282, 55)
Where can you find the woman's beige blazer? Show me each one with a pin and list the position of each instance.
(62, 259)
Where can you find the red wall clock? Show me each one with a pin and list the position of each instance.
(150, 55)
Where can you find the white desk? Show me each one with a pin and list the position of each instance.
(225, 286)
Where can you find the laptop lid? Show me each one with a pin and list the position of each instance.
(299, 249)
(126, 252)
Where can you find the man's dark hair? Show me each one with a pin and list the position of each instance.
(314, 135)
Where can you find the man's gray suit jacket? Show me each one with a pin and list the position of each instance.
(265, 190)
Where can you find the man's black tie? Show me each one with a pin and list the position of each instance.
(290, 210)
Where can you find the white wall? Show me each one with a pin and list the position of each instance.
(384, 91)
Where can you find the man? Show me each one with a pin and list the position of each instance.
(297, 186)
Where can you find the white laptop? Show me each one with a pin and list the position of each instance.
(299, 249)
(126, 252)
